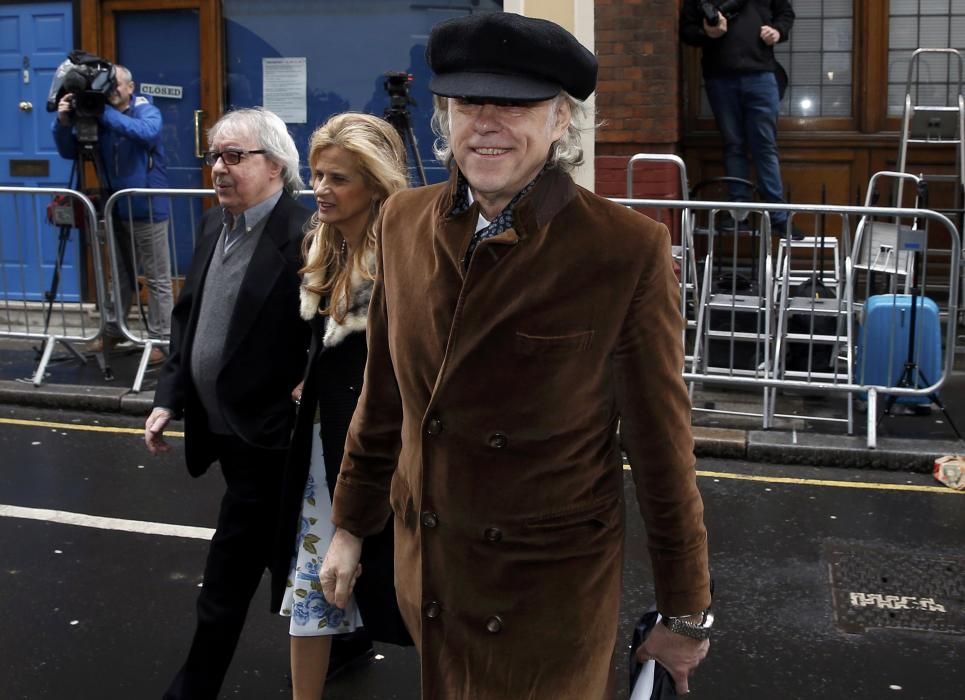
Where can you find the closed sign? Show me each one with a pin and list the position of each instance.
(170, 91)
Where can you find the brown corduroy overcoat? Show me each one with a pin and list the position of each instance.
(487, 427)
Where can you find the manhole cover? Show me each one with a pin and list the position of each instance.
(875, 586)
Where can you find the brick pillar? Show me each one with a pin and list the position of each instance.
(638, 91)
(638, 95)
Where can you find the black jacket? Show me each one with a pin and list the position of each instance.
(741, 49)
(265, 348)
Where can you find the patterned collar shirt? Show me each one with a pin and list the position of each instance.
(485, 228)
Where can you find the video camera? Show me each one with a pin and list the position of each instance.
(397, 85)
(89, 80)
(729, 8)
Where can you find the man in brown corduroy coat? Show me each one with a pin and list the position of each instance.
(515, 319)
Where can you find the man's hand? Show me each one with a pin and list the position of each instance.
(341, 567)
(769, 35)
(154, 430)
(65, 108)
(718, 31)
(678, 654)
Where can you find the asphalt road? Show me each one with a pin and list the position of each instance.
(102, 607)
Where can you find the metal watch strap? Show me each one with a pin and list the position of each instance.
(700, 630)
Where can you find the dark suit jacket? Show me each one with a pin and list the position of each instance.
(265, 348)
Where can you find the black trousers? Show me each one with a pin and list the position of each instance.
(237, 558)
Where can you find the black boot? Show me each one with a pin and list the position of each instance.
(349, 651)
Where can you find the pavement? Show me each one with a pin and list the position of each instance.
(812, 433)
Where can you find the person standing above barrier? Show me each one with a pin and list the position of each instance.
(237, 348)
(129, 143)
(357, 161)
(737, 39)
(516, 319)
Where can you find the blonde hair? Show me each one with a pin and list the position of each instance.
(380, 158)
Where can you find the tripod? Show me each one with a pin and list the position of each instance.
(399, 118)
(911, 376)
(397, 114)
(64, 215)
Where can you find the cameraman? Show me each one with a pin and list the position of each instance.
(129, 145)
(737, 39)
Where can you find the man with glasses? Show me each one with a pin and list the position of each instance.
(237, 348)
(129, 140)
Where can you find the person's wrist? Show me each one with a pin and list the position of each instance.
(696, 625)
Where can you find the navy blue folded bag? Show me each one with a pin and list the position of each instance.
(650, 680)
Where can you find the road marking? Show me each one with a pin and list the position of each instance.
(797, 481)
(88, 428)
(874, 486)
(102, 523)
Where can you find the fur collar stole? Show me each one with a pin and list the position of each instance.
(356, 311)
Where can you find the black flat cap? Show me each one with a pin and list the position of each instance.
(506, 56)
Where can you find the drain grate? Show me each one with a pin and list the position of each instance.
(875, 586)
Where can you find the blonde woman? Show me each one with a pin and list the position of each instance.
(356, 161)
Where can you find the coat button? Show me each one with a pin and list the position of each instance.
(494, 624)
(493, 534)
(434, 426)
(429, 519)
(498, 441)
(432, 609)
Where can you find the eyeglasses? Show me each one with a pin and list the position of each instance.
(230, 157)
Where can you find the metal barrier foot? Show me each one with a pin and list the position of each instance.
(49, 343)
(872, 411)
(142, 367)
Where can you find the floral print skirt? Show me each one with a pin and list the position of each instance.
(311, 615)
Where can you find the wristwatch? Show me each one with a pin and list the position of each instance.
(686, 626)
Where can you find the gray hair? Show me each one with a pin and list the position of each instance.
(122, 73)
(268, 129)
(566, 153)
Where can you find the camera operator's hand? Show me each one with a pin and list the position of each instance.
(718, 31)
(769, 35)
(65, 108)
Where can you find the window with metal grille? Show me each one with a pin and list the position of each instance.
(818, 59)
(919, 24)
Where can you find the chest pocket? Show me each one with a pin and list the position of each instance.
(553, 345)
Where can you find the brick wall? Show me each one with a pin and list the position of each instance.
(638, 94)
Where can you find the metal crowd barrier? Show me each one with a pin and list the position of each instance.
(683, 252)
(43, 240)
(184, 215)
(773, 303)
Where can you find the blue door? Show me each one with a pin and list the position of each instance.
(161, 49)
(34, 40)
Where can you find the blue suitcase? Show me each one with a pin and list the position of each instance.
(883, 343)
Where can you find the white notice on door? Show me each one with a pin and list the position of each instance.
(285, 83)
